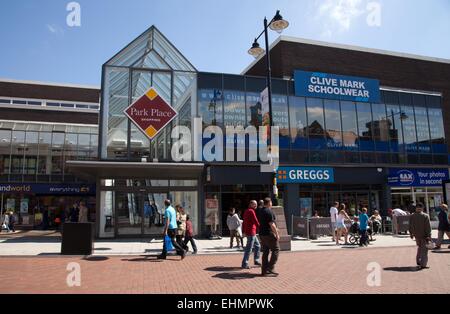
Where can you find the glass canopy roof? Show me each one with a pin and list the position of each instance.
(149, 60)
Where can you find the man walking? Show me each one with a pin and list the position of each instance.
(270, 238)
(170, 229)
(444, 226)
(333, 215)
(363, 226)
(420, 228)
(249, 227)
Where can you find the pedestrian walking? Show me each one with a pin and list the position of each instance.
(270, 239)
(234, 223)
(341, 229)
(170, 229)
(5, 224)
(249, 227)
(333, 215)
(181, 225)
(363, 226)
(189, 235)
(420, 229)
(444, 226)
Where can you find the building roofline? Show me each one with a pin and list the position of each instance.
(347, 47)
(7, 80)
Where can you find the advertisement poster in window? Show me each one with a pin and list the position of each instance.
(305, 207)
(11, 204)
(24, 206)
(211, 211)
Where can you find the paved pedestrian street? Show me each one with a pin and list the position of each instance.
(349, 270)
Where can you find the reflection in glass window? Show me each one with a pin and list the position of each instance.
(365, 126)
(17, 151)
(254, 116)
(349, 126)
(234, 108)
(210, 106)
(333, 123)
(5, 151)
(423, 129)
(316, 127)
(297, 108)
(281, 118)
(408, 122)
(380, 128)
(437, 131)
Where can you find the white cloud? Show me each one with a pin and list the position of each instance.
(55, 29)
(338, 15)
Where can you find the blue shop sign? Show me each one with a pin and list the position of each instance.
(58, 189)
(417, 177)
(305, 175)
(340, 87)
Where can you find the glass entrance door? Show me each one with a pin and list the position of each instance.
(153, 213)
(129, 210)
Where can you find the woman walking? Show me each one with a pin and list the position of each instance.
(181, 222)
(340, 225)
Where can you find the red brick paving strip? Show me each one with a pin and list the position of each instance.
(333, 271)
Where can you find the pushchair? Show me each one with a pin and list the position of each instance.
(353, 233)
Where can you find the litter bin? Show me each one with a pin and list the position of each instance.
(77, 238)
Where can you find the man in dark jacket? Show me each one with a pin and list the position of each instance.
(444, 226)
(420, 228)
(270, 238)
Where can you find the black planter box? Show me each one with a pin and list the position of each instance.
(77, 238)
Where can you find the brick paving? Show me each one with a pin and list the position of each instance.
(326, 271)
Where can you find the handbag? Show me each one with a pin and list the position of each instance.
(168, 242)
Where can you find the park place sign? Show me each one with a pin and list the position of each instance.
(150, 113)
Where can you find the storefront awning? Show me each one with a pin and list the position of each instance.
(129, 170)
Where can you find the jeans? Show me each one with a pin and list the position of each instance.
(422, 252)
(441, 237)
(235, 234)
(269, 243)
(252, 243)
(192, 241)
(171, 233)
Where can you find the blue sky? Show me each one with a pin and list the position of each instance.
(37, 44)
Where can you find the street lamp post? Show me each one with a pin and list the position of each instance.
(277, 24)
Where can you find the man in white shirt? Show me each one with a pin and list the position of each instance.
(395, 213)
(333, 215)
(399, 212)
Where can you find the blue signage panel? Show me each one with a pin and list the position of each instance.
(417, 177)
(305, 175)
(59, 189)
(332, 86)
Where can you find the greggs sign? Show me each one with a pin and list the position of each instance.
(150, 113)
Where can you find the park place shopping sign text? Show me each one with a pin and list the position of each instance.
(332, 86)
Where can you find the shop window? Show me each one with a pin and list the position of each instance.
(349, 126)
(234, 108)
(365, 126)
(408, 122)
(438, 141)
(316, 127)
(298, 123)
(210, 106)
(380, 127)
(333, 123)
(281, 119)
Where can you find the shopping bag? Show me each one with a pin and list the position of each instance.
(169, 245)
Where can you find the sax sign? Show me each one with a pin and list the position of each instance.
(332, 86)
